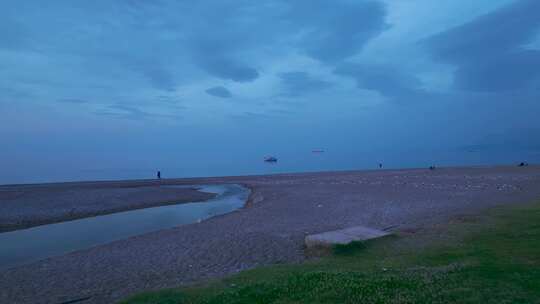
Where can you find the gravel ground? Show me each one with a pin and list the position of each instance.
(281, 211)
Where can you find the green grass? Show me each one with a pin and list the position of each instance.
(490, 259)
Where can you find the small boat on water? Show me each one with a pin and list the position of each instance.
(270, 159)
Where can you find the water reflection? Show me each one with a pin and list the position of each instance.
(23, 246)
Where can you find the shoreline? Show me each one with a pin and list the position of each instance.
(26, 246)
(97, 200)
(187, 180)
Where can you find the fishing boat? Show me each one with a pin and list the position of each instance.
(270, 159)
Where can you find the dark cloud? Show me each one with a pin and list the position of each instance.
(389, 81)
(301, 83)
(511, 71)
(489, 51)
(329, 32)
(223, 45)
(219, 91)
(335, 30)
(161, 45)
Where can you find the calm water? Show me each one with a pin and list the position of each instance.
(292, 161)
(23, 246)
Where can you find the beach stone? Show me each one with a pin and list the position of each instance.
(343, 236)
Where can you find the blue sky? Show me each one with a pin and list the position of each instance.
(119, 89)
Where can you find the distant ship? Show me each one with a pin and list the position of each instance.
(317, 151)
(270, 159)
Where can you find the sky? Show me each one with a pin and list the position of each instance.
(111, 89)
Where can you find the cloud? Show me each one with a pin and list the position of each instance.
(331, 31)
(236, 37)
(219, 91)
(166, 99)
(387, 80)
(229, 70)
(243, 117)
(123, 111)
(159, 77)
(301, 83)
(489, 52)
(131, 49)
(73, 100)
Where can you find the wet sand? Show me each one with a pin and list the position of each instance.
(281, 211)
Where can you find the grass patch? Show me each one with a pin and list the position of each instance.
(493, 259)
(349, 249)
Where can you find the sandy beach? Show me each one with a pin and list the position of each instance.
(270, 229)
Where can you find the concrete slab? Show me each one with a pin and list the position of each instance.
(344, 236)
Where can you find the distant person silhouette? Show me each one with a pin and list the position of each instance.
(380, 166)
(159, 174)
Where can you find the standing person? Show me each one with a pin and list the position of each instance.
(159, 174)
(380, 166)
